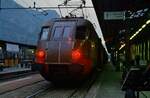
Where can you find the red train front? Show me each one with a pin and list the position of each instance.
(67, 49)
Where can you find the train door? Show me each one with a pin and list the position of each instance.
(61, 42)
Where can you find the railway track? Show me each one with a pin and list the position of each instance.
(36, 93)
(16, 84)
(64, 92)
(39, 88)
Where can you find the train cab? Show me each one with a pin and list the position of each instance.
(67, 49)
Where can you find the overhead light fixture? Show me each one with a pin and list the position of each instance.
(148, 21)
(143, 26)
(123, 45)
(137, 32)
(140, 30)
(134, 35)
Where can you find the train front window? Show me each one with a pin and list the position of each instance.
(44, 34)
(67, 33)
(57, 32)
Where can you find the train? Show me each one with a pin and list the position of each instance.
(68, 49)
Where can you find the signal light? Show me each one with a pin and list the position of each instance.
(76, 54)
(40, 56)
(40, 53)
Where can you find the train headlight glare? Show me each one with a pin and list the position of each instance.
(76, 54)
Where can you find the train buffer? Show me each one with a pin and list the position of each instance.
(136, 81)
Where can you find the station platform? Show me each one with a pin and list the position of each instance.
(13, 72)
(14, 69)
(109, 85)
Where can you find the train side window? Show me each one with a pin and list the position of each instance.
(67, 33)
(81, 32)
(57, 32)
(44, 34)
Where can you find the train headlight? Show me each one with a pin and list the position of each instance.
(76, 54)
(40, 56)
(40, 53)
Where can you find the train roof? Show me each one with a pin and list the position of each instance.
(79, 20)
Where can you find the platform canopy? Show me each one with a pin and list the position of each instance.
(117, 17)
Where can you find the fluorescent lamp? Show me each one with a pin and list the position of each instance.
(122, 46)
(143, 26)
(148, 21)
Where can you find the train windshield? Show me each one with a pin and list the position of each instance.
(44, 34)
(58, 32)
(63, 31)
(67, 33)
